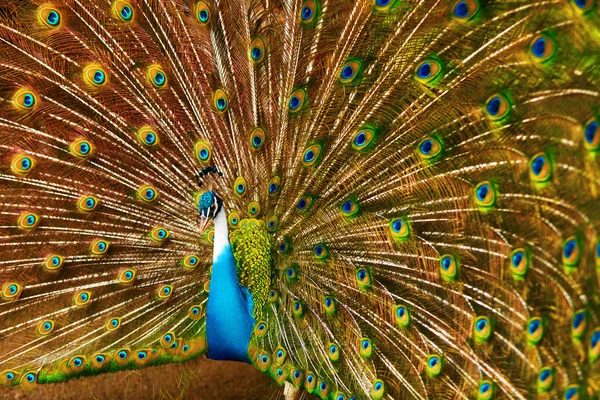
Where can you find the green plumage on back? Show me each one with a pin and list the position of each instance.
(253, 252)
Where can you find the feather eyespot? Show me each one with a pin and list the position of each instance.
(272, 223)
(82, 298)
(350, 71)
(597, 253)
(363, 278)
(311, 155)
(297, 377)
(22, 164)
(233, 219)
(429, 71)
(202, 151)
(399, 229)
(273, 296)
(81, 148)
(279, 355)
(482, 329)
(333, 352)
(384, 5)
(291, 273)
(53, 262)
(202, 12)
(571, 253)
(429, 148)
(239, 186)
(156, 76)
(572, 392)
(127, 275)
(542, 48)
(164, 292)
(274, 186)
(113, 324)
(310, 382)
(29, 380)
(402, 316)
(323, 389)
(9, 377)
(434, 365)
(309, 11)
(87, 203)
(579, 323)
(257, 50)
(147, 136)
(464, 10)
(366, 348)
(349, 208)
(76, 364)
(263, 361)
(591, 134)
(330, 305)
(257, 138)
(497, 107)
(261, 329)
(449, 267)
(28, 221)
(99, 247)
(304, 203)
(99, 360)
(11, 291)
(94, 75)
(545, 379)
(49, 17)
(220, 101)
(535, 330)
(159, 234)
(519, 263)
(167, 340)
(253, 208)
(583, 6)
(25, 100)
(540, 168)
(122, 10)
(297, 100)
(284, 246)
(191, 261)
(485, 195)
(45, 327)
(486, 390)
(122, 356)
(320, 251)
(594, 349)
(378, 389)
(297, 308)
(363, 139)
(147, 193)
(195, 312)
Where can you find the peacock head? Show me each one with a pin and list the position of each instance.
(209, 207)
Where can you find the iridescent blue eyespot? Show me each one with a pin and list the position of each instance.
(53, 18)
(159, 78)
(10, 376)
(100, 359)
(294, 102)
(126, 13)
(424, 70)
(30, 377)
(122, 354)
(539, 47)
(307, 13)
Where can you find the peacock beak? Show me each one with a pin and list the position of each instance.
(203, 223)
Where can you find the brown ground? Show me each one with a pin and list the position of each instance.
(196, 379)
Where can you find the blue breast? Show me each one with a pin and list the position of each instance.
(229, 321)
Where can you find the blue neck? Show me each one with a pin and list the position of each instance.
(229, 321)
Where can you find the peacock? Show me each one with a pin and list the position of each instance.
(364, 199)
